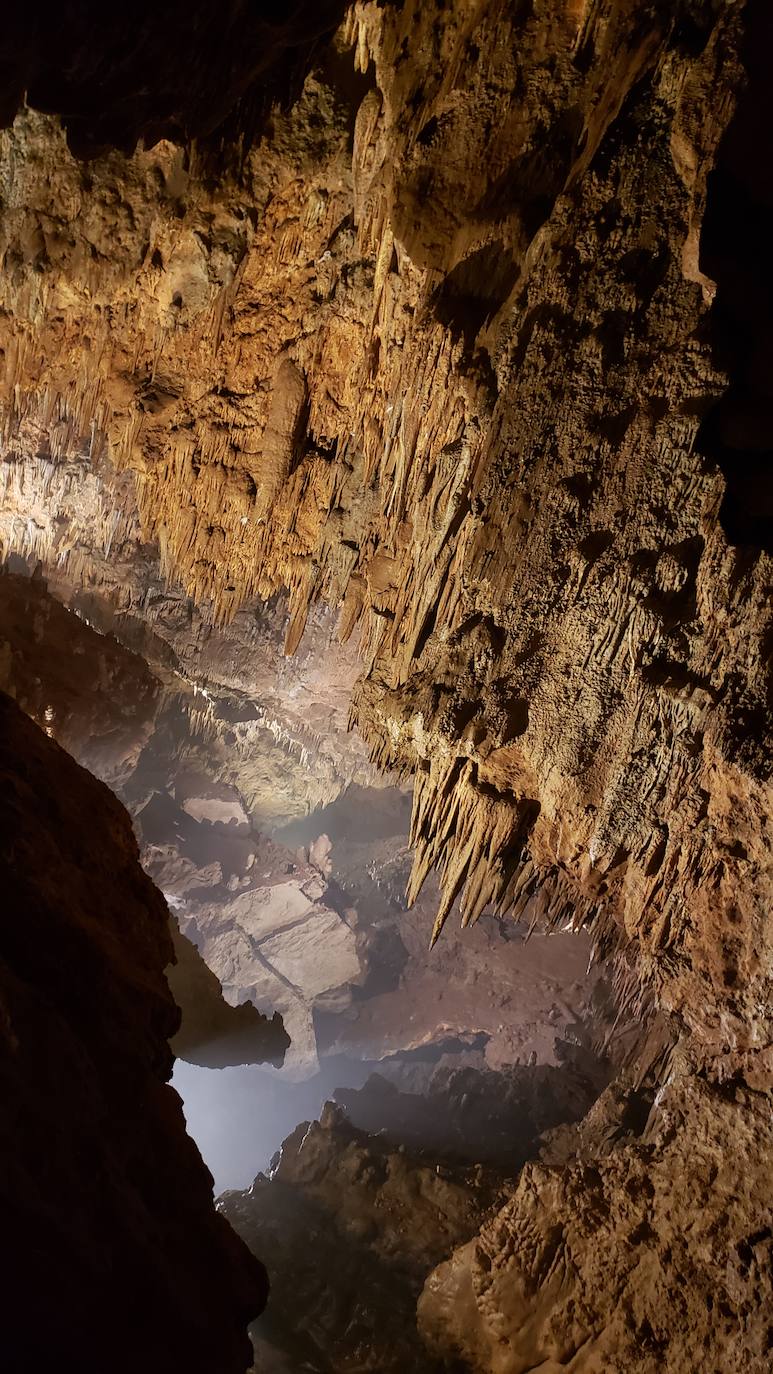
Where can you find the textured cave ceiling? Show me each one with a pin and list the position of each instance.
(441, 350)
(120, 75)
(393, 385)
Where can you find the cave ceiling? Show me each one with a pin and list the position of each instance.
(438, 350)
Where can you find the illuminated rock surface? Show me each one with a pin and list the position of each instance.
(448, 375)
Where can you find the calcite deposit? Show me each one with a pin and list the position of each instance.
(653, 1256)
(437, 348)
(464, 345)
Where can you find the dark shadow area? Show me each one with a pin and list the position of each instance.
(143, 71)
(737, 434)
(387, 958)
(474, 290)
(110, 1239)
(347, 1301)
(459, 1112)
(387, 1187)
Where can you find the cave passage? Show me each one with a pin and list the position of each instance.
(402, 1029)
(386, 687)
(240, 1115)
(284, 904)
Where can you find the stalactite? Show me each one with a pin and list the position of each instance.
(439, 421)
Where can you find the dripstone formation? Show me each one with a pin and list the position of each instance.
(464, 339)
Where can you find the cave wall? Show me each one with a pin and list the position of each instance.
(115, 1254)
(470, 343)
(439, 349)
(651, 1255)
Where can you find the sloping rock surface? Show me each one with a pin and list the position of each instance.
(114, 1255)
(351, 1225)
(650, 1257)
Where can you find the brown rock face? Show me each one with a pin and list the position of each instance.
(472, 346)
(653, 1257)
(115, 1255)
(377, 1217)
(438, 349)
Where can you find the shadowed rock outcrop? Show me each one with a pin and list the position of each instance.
(212, 1032)
(115, 1255)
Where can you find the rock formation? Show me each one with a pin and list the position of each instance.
(651, 1256)
(115, 1255)
(377, 1217)
(472, 276)
(466, 342)
(212, 1032)
(303, 925)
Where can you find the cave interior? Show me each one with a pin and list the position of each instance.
(386, 687)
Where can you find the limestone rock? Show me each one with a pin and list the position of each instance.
(467, 321)
(116, 1253)
(351, 1225)
(284, 951)
(468, 344)
(650, 1256)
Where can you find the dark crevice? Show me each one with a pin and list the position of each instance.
(737, 434)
